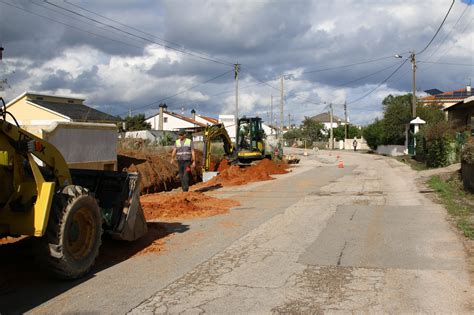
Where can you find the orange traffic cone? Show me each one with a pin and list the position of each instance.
(341, 164)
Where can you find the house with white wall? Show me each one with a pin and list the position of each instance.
(325, 119)
(170, 121)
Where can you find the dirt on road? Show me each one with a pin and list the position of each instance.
(235, 175)
(183, 205)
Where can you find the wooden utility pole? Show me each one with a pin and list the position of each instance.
(330, 118)
(346, 126)
(289, 121)
(281, 110)
(413, 67)
(236, 78)
(271, 111)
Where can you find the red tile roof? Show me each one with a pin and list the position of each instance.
(190, 120)
(456, 94)
(209, 119)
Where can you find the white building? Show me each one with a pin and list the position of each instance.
(230, 125)
(170, 121)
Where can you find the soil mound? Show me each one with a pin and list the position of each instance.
(183, 205)
(235, 175)
(157, 173)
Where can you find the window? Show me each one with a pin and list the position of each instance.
(165, 119)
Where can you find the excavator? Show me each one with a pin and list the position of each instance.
(65, 210)
(249, 147)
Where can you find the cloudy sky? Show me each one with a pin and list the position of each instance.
(121, 55)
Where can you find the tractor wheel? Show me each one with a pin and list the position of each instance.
(73, 235)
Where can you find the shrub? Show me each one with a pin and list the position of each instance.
(467, 153)
(436, 144)
(374, 134)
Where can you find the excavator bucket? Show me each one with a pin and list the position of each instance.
(118, 195)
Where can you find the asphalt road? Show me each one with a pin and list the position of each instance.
(362, 238)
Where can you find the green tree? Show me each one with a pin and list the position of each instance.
(352, 132)
(137, 122)
(397, 115)
(374, 134)
(311, 130)
(292, 135)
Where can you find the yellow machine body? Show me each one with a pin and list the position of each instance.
(25, 195)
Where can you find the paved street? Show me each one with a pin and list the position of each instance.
(362, 238)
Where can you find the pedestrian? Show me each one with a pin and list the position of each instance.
(354, 144)
(184, 152)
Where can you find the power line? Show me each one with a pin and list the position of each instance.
(138, 30)
(439, 28)
(367, 76)
(137, 36)
(348, 65)
(448, 34)
(68, 25)
(448, 63)
(385, 80)
(179, 93)
(263, 82)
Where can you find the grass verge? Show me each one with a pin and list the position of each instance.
(414, 164)
(458, 202)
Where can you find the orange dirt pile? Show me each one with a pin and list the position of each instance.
(235, 175)
(10, 240)
(183, 205)
(157, 173)
(223, 165)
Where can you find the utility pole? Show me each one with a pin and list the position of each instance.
(346, 127)
(271, 111)
(281, 110)
(289, 121)
(236, 78)
(413, 67)
(330, 117)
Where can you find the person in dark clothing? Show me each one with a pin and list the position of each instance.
(354, 144)
(183, 151)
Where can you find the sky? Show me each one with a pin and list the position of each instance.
(123, 56)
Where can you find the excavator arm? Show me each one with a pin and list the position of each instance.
(213, 132)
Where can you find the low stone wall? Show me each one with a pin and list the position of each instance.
(392, 150)
(467, 172)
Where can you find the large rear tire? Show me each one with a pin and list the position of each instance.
(73, 235)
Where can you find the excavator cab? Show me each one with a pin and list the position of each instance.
(250, 140)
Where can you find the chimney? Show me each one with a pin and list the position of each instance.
(193, 114)
(163, 108)
(468, 89)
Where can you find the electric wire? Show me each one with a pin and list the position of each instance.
(380, 84)
(439, 28)
(449, 33)
(348, 65)
(138, 36)
(141, 31)
(179, 93)
(68, 25)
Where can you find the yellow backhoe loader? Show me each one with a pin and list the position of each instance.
(250, 143)
(66, 210)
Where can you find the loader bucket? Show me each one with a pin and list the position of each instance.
(118, 195)
(132, 224)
